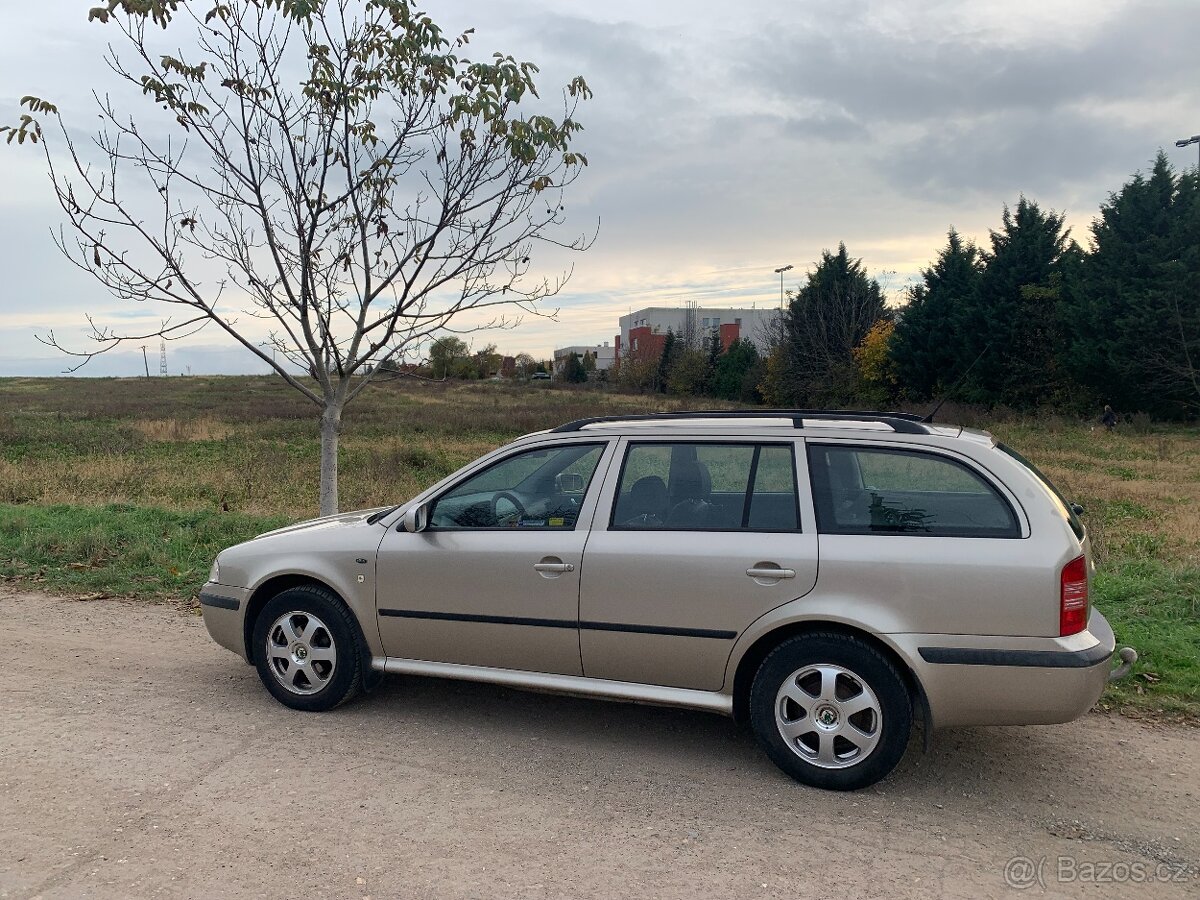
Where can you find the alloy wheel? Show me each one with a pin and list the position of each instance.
(301, 653)
(828, 716)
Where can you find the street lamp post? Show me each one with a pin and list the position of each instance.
(1194, 139)
(780, 272)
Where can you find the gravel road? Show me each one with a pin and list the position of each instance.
(137, 758)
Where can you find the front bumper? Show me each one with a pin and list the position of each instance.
(1011, 681)
(224, 610)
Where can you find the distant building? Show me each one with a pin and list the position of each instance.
(604, 354)
(644, 331)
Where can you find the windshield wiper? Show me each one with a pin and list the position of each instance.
(376, 516)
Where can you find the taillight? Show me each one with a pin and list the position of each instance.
(1073, 597)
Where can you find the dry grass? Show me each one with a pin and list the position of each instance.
(1141, 489)
(175, 430)
(250, 444)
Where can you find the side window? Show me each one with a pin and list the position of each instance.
(707, 487)
(879, 491)
(537, 489)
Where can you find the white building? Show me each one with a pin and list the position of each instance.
(644, 330)
(604, 353)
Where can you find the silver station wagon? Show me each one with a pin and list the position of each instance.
(825, 577)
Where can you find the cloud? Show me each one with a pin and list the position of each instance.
(951, 109)
(1018, 153)
(877, 74)
(724, 141)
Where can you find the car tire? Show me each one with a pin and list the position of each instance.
(831, 711)
(307, 649)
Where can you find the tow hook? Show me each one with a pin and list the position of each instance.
(1128, 658)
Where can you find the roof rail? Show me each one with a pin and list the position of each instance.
(901, 423)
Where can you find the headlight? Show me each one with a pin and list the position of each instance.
(214, 573)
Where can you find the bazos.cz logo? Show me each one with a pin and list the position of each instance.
(1022, 872)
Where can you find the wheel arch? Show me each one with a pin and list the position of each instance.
(759, 650)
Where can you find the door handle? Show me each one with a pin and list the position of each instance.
(770, 572)
(558, 567)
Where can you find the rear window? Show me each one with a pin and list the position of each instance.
(870, 490)
(1064, 506)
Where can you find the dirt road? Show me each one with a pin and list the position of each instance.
(139, 759)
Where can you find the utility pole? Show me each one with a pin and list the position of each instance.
(780, 272)
(146, 360)
(162, 357)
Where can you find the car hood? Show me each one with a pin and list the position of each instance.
(340, 520)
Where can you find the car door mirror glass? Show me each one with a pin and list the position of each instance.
(570, 483)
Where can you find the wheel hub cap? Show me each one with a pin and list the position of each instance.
(827, 717)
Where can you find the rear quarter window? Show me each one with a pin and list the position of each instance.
(1065, 509)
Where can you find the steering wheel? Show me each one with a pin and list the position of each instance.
(511, 498)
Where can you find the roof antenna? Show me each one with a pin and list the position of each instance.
(929, 417)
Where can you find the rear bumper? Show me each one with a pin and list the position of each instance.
(1011, 681)
(224, 609)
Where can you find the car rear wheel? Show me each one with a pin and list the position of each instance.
(831, 711)
(306, 649)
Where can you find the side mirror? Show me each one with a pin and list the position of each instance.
(416, 518)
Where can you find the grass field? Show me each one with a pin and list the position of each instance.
(131, 486)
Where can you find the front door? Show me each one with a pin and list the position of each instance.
(693, 541)
(494, 579)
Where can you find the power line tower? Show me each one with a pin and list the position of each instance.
(162, 357)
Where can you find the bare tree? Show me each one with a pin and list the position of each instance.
(526, 365)
(330, 183)
(1173, 368)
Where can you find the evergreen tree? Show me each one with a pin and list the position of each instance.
(930, 348)
(670, 352)
(813, 360)
(688, 372)
(1015, 329)
(573, 370)
(715, 351)
(1135, 313)
(734, 373)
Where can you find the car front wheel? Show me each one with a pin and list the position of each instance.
(831, 711)
(306, 649)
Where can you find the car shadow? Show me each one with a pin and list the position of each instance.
(992, 762)
(484, 722)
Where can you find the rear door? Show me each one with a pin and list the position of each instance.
(921, 539)
(693, 539)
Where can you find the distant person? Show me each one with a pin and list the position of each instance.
(1109, 419)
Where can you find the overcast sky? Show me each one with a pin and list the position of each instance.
(724, 140)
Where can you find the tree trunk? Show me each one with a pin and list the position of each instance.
(331, 429)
